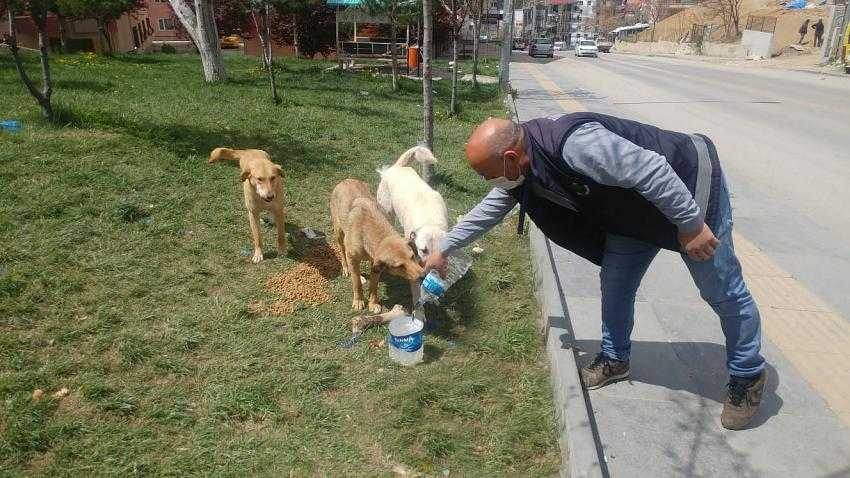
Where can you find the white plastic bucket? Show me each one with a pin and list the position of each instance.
(405, 340)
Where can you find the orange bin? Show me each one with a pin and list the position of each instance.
(413, 57)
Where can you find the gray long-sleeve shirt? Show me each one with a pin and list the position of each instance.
(608, 159)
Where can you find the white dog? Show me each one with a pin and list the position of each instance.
(420, 210)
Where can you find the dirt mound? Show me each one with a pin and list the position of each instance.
(677, 27)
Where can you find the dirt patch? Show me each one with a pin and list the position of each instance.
(305, 284)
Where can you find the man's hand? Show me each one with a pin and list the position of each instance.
(436, 261)
(699, 245)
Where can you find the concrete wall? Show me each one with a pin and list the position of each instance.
(757, 44)
(723, 50)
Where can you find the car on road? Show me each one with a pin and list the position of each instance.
(560, 46)
(586, 48)
(541, 47)
(604, 46)
(519, 44)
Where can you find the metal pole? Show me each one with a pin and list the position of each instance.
(338, 49)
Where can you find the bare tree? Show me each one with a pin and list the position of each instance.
(476, 9)
(729, 12)
(656, 10)
(37, 10)
(427, 91)
(199, 21)
(262, 9)
(507, 45)
(457, 12)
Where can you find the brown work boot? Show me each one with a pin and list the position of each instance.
(603, 370)
(742, 401)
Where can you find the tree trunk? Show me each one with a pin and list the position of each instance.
(295, 46)
(270, 57)
(338, 45)
(43, 96)
(476, 42)
(507, 46)
(200, 24)
(453, 103)
(105, 44)
(427, 92)
(264, 33)
(393, 57)
(63, 39)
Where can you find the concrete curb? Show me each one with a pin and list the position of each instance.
(577, 436)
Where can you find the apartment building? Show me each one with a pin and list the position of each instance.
(143, 30)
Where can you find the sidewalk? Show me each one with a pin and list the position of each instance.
(664, 420)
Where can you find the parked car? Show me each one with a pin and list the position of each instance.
(231, 42)
(604, 46)
(560, 46)
(541, 47)
(519, 44)
(586, 48)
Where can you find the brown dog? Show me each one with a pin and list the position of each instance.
(262, 189)
(364, 233)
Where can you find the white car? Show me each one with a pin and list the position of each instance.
(559, 46)
(587, 48)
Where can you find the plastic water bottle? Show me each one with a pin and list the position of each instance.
(12, 126)
(434, 287)
(405, 340)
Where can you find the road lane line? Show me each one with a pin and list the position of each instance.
(813, 338)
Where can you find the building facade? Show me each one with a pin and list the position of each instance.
(143, 30)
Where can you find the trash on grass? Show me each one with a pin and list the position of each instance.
(61, 393)
(12, 126)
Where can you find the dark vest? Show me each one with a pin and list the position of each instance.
(576, 212)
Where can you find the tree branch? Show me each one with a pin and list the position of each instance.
(13, 47)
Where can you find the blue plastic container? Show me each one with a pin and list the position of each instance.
(12, 126)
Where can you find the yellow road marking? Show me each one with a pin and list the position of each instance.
(812, 337)
(568, 104)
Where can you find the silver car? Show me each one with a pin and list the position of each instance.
(587, 48)
(541, 47)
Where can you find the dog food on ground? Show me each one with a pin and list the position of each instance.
(305, 284)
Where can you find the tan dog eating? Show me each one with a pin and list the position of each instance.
(364, 233)
(262, 188)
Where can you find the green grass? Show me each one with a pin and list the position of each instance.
(122, 279)
(487, 65)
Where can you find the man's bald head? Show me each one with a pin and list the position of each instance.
(491, 144)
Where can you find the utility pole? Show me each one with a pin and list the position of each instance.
(507, 45)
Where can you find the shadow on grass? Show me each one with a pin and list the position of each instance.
(186, 140)
(440, 178)
(85, 85)
(141, 59)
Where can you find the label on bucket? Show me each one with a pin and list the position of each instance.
(408, 343)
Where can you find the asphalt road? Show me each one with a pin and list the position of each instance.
(783, 139)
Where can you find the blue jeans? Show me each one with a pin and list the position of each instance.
(720, 283)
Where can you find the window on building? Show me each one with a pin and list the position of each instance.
(166, 24)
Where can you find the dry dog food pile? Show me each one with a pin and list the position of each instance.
(306, 283)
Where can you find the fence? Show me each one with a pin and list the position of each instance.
(372, 49)
(761, 24)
